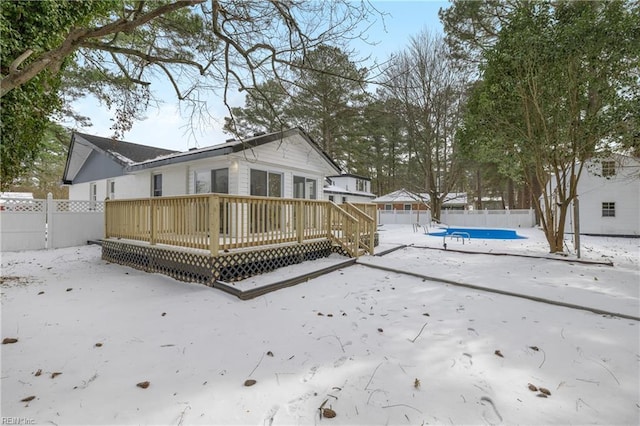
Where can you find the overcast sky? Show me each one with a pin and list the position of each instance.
(166, 127)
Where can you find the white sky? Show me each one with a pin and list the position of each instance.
(357, 338)
(166, 127)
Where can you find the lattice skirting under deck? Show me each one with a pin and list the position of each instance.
(205, 269)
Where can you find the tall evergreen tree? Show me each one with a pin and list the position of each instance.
(550, 103)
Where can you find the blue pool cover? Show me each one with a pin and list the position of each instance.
(482, 233)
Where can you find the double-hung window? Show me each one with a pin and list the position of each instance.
(609, 209)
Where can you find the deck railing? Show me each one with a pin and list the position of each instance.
(219, 222)
(367, 221)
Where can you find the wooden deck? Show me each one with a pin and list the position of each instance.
(217, 237)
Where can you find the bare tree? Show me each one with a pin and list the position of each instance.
(431, 90)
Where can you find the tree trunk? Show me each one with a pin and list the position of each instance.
(478, 190)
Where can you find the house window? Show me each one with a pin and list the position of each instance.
(202, 181)
(388, 207)
(157, 185)
(220, 181)
(361, 185)
(608, 168)
(111, 189)
(344, 200)
(304, 188)
(93, 192)
(608, 209)
(266, 184)
(206, 181)
(407, 207)
(331, 198)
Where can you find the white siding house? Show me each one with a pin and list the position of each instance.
(284, 164)
(348, 188)
(608, 197)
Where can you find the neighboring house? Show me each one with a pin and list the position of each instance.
(403, 199)
(348, 188)
(14, 200)
(608, 197)
(285, 164)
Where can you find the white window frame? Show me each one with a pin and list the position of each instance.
(111, 189)
(154, 190)
(609, 209)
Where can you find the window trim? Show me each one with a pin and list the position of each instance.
(267, 183)
(93, 191)
(155, 191)
(609, 209)
(305, 181)
(608, 168)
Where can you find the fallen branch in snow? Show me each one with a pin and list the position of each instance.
(181, 418)
(371, 378)
(415, 338)
(401, 405)
(256, 367)
(487, 399)
(86, 383)
(605, 367)
(543, 359)
(337, 338)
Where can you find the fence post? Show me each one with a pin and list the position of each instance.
(49, 224)
(106, 220)
(214, 224)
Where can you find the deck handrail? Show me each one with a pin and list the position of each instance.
(222, 222)
(367, 227)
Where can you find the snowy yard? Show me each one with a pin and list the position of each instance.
(376, 347)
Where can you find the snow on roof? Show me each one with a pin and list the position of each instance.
(406, 196)
(340, 190)
(23, 195)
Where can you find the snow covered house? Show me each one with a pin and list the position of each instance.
(348, 188)
(219, 213)
(406, 200)
(285, 164)
(608, 197)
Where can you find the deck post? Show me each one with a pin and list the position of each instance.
(214, 224)
(300, 221)
(329, 219)
(153, 220)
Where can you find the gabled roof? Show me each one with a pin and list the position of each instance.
(133, 152)
(231, 147)
(121, 152)
(130, 157)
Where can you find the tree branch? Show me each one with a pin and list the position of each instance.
(53, 59)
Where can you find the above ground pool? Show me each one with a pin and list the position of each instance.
(481, 233)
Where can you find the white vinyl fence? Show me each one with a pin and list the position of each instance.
(476, 218)
(27, 224)
(404, 217)
(489, 218)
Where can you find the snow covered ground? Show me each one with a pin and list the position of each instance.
(376, 347)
